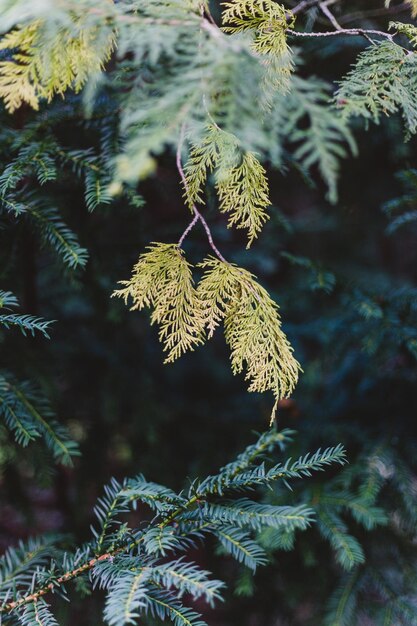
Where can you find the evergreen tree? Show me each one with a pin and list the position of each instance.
(98, 98)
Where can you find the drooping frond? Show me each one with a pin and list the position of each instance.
(243, 195)
(240, 180)
(318, 135)
(41, 66)
(217, 290)
(162, 280)
(257, 342)
(216, 147)
(382, 82)
(252, 327)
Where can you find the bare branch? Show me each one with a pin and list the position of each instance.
(188, 229)
(352, 32)
(197, 214)
(325, 9)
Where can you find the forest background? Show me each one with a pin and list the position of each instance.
(344, 275)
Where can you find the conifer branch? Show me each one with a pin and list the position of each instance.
(228, 521)
(91, 563)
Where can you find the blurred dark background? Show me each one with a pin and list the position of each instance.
(347, 294)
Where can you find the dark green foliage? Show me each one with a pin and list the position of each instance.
(28, 415)
(24, 409)
(27, 324)
(128, 562)
(72, 223)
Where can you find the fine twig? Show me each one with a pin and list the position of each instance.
(337, 23)
(324, 7)
(197, 215)
(326, 11)
(188, 229)
(353, 32)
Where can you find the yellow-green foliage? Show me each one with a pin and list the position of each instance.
(268, 21)
(408, 30)
(44, 65)
(240, 180)
(162, 281)
(243, 194)
(252, 328)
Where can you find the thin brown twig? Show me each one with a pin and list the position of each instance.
(188, 229)
(324, 7)
(196, 212)
(352, 32)
(34, 597)
(326, 11)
